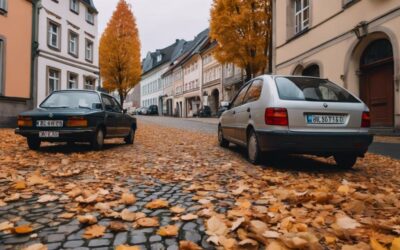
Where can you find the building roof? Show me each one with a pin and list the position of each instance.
(189, 49)
(90, 4)
(161, 56)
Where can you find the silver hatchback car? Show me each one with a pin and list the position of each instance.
(297, 115)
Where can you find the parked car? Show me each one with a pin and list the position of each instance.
(142, 111)
(153, 110)
(294, 114)
(204, 112)
(76, 116)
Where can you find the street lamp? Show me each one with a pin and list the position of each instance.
(361, 30)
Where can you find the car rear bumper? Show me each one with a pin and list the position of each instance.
(314, 143)
(75, 135)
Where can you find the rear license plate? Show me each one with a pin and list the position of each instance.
(49, 123)
(325, 119)
(49, 134)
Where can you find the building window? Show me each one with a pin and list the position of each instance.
(73, 43)
(89, 51)
(72, 81)
(302, 15)
(89, 83)
(3, 6)
(74, 6)
(1, 67)
(53, 36)
(53, 79)
(89, 16)
(159, 58)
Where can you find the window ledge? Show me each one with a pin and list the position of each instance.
(348, 5)
(3, 12)
(297, 35)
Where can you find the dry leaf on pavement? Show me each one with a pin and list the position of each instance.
(37, 246)
(23, 229)
(188, 217)
(6, 225)
(127, 215)
(117, 226)
(170, 230)
(237, 223)
(128, 199)
(156, 204)
(87, 219)
(126, 247)
(345, 222)
(66, 215)
(94, 231)
(47, 198)
(177, 210)
(216, 226)
(188, 245)
(148, 222)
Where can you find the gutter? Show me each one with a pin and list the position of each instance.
(36, 5)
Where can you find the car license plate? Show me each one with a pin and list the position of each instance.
(49, 123)
(325, 119)
(49, 134)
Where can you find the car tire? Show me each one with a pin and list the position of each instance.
(33, 143)
(222, 141)
(253, 148)
(131, 137)
(346, 161)
(97, 141)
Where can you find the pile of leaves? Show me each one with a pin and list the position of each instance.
(298, 203)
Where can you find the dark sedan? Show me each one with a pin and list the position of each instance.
(76, 116)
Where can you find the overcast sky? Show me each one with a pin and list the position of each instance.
(160, 22)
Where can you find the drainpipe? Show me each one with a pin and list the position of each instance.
(36, 5)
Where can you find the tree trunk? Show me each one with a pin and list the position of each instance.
(121, 99)
(249, 73)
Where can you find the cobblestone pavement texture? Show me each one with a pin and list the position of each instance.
(186, 169)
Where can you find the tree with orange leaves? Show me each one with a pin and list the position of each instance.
(120, 52)
(242, 30)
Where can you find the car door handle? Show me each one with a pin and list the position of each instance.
(248, 110)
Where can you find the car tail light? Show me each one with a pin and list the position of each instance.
(276, 116)
(365, 120)
(24, 121)
(77, 122)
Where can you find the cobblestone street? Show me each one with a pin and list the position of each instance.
(44, 194)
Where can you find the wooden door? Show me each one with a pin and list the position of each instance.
(377, 91)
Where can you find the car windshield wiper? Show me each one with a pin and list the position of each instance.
(85, 107)
(55, 107)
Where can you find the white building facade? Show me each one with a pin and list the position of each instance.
(152, 87)
(68, 46)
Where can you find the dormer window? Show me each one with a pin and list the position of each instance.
(159, 58)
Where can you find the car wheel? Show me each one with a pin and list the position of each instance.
(345, 161)
(222, 141)
(33, 143)
(97, 141)
(131, 137)
(253, 149)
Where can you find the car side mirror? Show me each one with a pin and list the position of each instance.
(97, 106)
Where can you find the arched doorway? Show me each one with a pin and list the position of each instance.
(214, 102)
(312, 70)
(377, 82)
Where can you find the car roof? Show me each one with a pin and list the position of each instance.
(298, 76)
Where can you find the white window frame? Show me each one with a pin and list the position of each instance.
(159, 58)
(55, 78)
(2, 63)
(73, 44)
(74, 82)
(74, 6)
(89, 16)
(51, 33)
(89, 49)
(3, 6)
(301, 22)
(92, 85)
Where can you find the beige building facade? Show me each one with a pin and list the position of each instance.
(354, 43)
(15, 59)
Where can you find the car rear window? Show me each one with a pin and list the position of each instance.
(311, 89)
